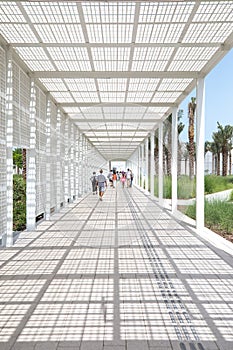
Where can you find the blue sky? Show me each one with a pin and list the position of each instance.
(219, 98)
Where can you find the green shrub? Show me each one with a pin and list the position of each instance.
(167, 186)
(214, 183)
(186, 187)
(231, 196)
(19, 203)
(218, 215)
(191, 211)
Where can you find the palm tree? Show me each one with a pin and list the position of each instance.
(180, 129)
(224, 137)
(216, 150)
(207, 146)
(191, 114)
(168, 139)
(167, 145)
(186, 157)
(230, 158)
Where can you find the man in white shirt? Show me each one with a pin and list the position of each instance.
(102, 182)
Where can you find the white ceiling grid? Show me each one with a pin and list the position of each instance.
(118, 67)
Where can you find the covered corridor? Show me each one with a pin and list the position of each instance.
(82, 84)
(120, 274)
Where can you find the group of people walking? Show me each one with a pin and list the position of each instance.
(99, 182)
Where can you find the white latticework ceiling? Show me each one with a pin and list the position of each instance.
(118, 67)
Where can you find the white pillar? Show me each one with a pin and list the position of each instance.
(84, 164)
(200, 155)
(146, 164)
(48, 160)
(161, 163)
(80, 164)
(138, 166)
(72, 162)
(9, 146)
(142, 166)
(75, 160)
(31, 164)
(152, 163)
(66, 165)
(174, 158)
(59, 169)
(77, 163)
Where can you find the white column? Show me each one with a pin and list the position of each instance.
(200, 156)
(161, 163)
(71, 162)
(84, 165)
(146, 164)
(75, 159)
(31, 164)
(48, 161)
(142, 166)
(152, 163)
(174, 158)
(138, 166)
(69, 146)
(80, 165)
(66, 165)
(9, 146)
(77, 163)
(59, 172)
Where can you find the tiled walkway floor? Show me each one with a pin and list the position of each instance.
(120, 274)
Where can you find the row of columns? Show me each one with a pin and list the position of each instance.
(139, 161)
(78, 162)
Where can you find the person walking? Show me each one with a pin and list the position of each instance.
(102, 183)
(131, 179)
(94, 182)
(114, 179)
(123, 179)
(128, 177)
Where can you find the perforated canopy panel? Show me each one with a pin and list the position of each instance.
(117, 68)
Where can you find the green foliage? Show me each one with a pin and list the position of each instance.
(19, 203)
(218, 215)
(214, 183)
(18, 158)
(167, 187)
(191, 211)
(231, 196)
(185, 187)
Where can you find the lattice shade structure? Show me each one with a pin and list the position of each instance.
(105, 72)
(90, 53)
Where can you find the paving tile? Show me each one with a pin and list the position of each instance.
(115, 343)
(168, 281)
(114, 347)
(91, 345)
(23, 346)
(4, 346)
(137, 345)
(69, 345)
(46, 346)
(223, 345)
(159, 344)
(207, 345)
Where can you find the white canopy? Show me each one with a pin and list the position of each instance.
(118, 67)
